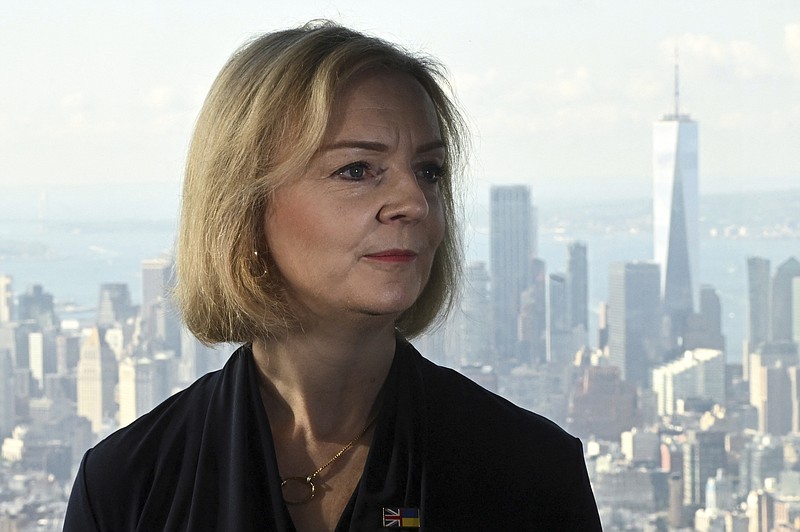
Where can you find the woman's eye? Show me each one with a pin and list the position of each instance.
(430, 173)
(354, 172)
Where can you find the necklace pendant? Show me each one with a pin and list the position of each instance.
(298, 490)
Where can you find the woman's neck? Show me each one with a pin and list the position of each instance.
(321, 390)
(323, 384)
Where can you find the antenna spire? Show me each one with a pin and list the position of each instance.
(677, 87)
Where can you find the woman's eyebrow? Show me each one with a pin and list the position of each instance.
(377, 146)
(356, 144)
(431, 146)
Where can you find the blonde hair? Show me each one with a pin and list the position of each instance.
(277, 91)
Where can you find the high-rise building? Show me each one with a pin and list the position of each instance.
(794, 395)
(97, 378)
(759, 309)
(36, 358)
(602, 325)
(782, 299)
(37, 305)
(719, 492)
(512, 247)
(640, 446)
(114, 304)
(700, 373)
(532, 323)
(602, 405)
(156, 280)
(578, 280)
(161, 327)
(711, 309)
(775, 406)
(759, 459)
(7, 410)
(704, 328)
(675, 212)
(475, 316)
(761, 509)
(703, 455)
(143, 384)
(6, 299)
(796, 310)
(198, 359)
(758, 300)
(634, 323)
(768, 354)
(676, 511)
(68, 352)
(559, 333)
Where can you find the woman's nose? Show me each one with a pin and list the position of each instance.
(405, 199)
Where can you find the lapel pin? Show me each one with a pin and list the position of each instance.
(401, 518)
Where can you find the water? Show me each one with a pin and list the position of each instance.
(74, 238)
(70, 239)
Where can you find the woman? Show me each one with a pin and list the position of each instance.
(318, 229)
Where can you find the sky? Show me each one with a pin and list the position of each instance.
(560, 95)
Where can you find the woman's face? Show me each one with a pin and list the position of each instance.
(354, 234)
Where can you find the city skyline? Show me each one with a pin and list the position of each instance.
(97, 374)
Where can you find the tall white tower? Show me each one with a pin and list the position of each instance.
(675, 211)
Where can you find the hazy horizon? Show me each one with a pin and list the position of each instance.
(558, 96)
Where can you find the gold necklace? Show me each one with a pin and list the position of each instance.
(308, 481)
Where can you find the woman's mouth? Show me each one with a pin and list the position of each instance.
(393, 255)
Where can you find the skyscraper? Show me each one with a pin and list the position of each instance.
(775, 405)
(768, 354)
(114, 304)
(135, 388)
(700, 373)
(475, 322)
(758, 307)
(704, 328)
(37, 305)
(602, 404)
(6, 299)
(559, 344)
(161, 325)
(143, 384)
(675, 212)
(634, 319)
(512, 247)
(782, 299)
(97, 378)
(156, 275)
(7, 418)
(578, 280)
(703, 455)
(796, 310)
(532, 323)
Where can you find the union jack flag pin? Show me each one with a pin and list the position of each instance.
(401, 518)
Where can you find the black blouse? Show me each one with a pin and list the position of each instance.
(459, 456)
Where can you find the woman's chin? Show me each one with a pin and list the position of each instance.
(388, 309)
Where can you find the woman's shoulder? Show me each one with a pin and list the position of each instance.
(456, 398)
(500, 455)
(183, 412)
(469, 424)
(130, 464)
(149, 470)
